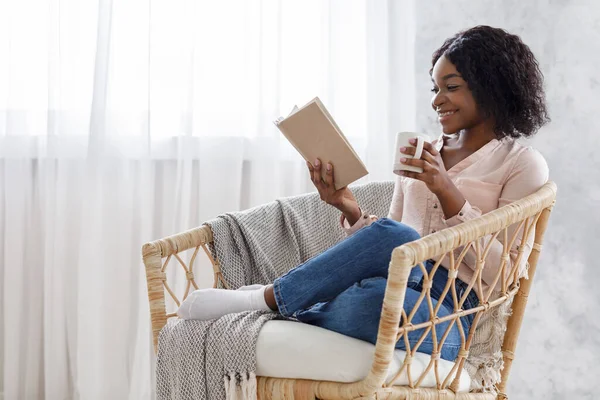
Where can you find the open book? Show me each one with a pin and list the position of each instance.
(314, 133)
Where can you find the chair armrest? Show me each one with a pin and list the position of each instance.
(179, 242)
(459, 235)
(153, 254)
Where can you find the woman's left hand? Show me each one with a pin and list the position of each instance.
(434, 173)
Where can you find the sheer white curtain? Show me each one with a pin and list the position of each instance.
(125, 121)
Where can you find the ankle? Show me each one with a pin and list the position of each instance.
(270, 298)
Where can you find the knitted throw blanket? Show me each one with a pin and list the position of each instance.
(216, 359)
(209, 359)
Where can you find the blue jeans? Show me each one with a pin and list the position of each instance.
(342, 289)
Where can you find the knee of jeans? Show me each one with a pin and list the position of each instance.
(404, 232)
(377, 283)
(367, 295)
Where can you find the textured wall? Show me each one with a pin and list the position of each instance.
(559, 350)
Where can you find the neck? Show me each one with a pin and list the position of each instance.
(476, 137)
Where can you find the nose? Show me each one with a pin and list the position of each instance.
(438, 100)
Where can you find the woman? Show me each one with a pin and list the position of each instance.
(487, 92)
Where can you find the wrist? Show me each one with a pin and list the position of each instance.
(348, 207)
(451, 199)
(352, 213)
(445, 188)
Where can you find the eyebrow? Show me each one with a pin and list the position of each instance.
(446, 77)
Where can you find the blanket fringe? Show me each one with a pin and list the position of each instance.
(229, 382)
(252, 387)
(244, 388)
(485, 361)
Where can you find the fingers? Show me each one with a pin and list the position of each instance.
(316, 173)
(426, 146)
(311, 171)
(427, 155)
(430, 158)
(316, 176)
(410, 151)
(415, 162)
(329, 176)
(324, 183)
(428, 161)
(414, 175)
(430, 149)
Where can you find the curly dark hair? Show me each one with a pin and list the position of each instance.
(503, 75)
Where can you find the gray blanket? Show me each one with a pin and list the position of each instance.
(216, 359)
(209, 359)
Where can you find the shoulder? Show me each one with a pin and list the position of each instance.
(528, 170)
(527, 159)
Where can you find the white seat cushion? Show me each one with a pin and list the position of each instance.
(287, 349)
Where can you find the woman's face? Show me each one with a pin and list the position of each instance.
(452, 99)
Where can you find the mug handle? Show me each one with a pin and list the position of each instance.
(419, 149)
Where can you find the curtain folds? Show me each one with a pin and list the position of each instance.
(123, 122)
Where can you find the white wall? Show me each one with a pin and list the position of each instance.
(559, 347)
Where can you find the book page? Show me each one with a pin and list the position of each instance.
(294, 111)
(281, 119)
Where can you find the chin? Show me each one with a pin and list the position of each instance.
(450, 129)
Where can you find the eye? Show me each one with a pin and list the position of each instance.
(452, 88)
(435, 90)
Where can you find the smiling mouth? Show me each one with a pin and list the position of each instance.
(445, 113)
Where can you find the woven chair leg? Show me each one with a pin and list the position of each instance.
(303, 391)
(288, 389)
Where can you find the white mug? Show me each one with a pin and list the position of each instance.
(402, 141)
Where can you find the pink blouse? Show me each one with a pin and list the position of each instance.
(497, 174)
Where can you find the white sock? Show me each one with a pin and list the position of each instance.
(250, 287)
(205, 304)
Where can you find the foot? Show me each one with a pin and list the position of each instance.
(250, 287)
(206, 304)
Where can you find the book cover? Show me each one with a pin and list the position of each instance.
(314, 133)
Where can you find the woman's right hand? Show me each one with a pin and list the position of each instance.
(342, 199)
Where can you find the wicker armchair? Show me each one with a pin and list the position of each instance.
(531, 214)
